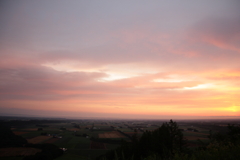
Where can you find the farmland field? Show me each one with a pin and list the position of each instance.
(69, 156)
(31, 134)
(63, 141)
(11, 158)
(38, 139)
(31, 129)
(73, 129)
(19, 132)
(52, 140)
(97, 145)
(113, 134)
(88, 139)
(18, 151)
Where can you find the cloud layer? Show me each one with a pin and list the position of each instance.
(123, 60)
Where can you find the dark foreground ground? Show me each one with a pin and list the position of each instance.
(90, 138)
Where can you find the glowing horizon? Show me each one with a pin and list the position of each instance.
(120, 59)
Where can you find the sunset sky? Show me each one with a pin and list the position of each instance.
(152, 59)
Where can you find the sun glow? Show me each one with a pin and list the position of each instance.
(231, 109)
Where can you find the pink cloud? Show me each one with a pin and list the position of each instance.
(220, 32)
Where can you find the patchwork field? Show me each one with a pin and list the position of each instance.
(19, 132)
(20, 151)
(197, 134)
(97, 145)
(38, 139)
(113, 134)
(52, 140)
(31, 129)
(93, 138)
(73, 129)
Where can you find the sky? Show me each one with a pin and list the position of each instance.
(139, 59)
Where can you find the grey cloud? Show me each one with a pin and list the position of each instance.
(43, 82)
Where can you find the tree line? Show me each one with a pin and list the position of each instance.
(168, 143)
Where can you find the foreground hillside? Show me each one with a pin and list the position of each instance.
(119, 139)
(167, 142)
